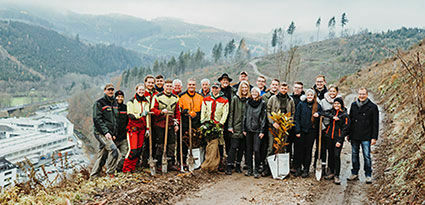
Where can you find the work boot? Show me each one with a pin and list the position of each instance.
(256, 174)
(337, 181)
(305, 173)
(238, 168)
(353, 177)
(266, 172)
(249, 172)
(229, 170)
(298, 172)
(329, 177)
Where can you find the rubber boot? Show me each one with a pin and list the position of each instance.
(229, 169)
(238, 168)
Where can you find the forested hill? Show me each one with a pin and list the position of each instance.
(32, 53)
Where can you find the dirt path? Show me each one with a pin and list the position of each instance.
(239, 189)
(253, 64)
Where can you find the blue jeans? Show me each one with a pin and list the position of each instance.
(355, 151)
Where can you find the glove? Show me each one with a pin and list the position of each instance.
(131, 116)
(144, 113)
(185, 112)
(147, 133)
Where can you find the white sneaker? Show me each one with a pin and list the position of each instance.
(353, 177)
(368, 180)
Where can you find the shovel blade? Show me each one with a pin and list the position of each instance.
(191, 163)
(318, 172)
(152, 167)
(164, 166)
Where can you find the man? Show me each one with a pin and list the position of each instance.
(104, 120)
(363, 131)
(215, 107)
(122, 121)
(225, 88)
(159, 83)
(320, 87)
(242, 76)
(205, 87)
(298, 91)
(164, 104)
(261, 83)
(150, 92)
(274, 89)
(190, 103)
(177, 87)
(282, 103)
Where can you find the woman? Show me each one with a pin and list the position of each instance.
(335, 134)
(306, 129)
(254, 127)
(326, 104)
(122, 121)
(137, 109)
(237, 143)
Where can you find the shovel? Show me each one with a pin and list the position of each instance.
(181, 146)
(319, 160)
(190, 160)
(164, 154)
(151, 161)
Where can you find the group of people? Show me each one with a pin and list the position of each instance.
(160, 110)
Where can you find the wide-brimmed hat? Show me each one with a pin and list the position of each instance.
(225, 76)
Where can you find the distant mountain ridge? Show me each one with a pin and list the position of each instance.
(159, 37)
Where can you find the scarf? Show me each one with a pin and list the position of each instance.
(360, 104)
(254, 103)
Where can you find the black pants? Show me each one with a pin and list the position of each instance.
(227, 141)
(237, 147)
(264, 147)
(253, 143)
(303, 150)
(334, 155)
(160, 137)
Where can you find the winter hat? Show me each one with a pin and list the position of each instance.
(310, 91)
(256, 89)
(119, 92)
(340, 100)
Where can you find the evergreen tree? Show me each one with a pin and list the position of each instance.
(344, 21)
(331, 27)
(319, 20)
(291, 30)
(155, 68)
(274, 38)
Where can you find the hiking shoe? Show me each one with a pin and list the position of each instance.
(248, 173)
(238, 168)
(229, 170)
(266, 173)
(353, 177)
(256, 174)
(298, 172)
(330, 177)
(368, 180)
(305, 174)
(337, 181)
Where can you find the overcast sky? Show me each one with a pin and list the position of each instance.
(257, 15)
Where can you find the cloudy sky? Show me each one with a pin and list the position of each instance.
(257, 15)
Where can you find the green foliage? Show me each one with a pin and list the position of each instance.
(211, 131)
(32, 53)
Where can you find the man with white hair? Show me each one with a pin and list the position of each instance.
(205, 87)
(177, 87)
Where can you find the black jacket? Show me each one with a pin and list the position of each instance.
(228, 93)
(337, 129)
(320, 94)
(104, 115)
(122, 121)
(297, 98)
(364, 120)
(255, 115)
(303, 114)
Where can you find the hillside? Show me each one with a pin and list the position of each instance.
(343, 56)
(33, 53)
(158, 37)
(398, 159)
